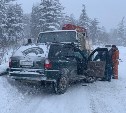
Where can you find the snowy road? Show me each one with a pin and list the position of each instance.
(99, 97)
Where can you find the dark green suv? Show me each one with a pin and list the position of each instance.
(55, 63)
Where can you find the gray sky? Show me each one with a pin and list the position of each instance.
(108, 12)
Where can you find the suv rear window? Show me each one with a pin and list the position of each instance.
(59, 51)
(55, 50)
(67, 51)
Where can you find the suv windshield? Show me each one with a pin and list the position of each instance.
(60, 36)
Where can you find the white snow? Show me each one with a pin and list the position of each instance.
(5, 61)
(57, 31)
(3, 67)
(18, 52)
(98, 97)
(44, 47)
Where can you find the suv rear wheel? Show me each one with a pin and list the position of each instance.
(61, 85)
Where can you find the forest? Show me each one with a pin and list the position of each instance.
(48, 15)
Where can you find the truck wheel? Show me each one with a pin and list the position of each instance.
(61, 85)
(90, 79)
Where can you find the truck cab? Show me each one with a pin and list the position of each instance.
(68, 34)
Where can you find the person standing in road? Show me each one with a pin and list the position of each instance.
(111, 62)
(114, 53)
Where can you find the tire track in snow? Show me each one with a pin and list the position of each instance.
(71, 102)
(99, 97)
(107, 97)
(97, 104)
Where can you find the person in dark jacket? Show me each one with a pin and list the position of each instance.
(111, 63)
(109, 67)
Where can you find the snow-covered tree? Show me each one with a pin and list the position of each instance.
(84, 19)
(14, 24)
(47, 16)
(118, 35)
(69, 19)
(103, 36)
(52, 14)
(3, 19)
(34, 25)
(93, 30)
(121, 33)
(113, 36)
(26, 22)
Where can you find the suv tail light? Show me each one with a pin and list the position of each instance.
(47, 64)
(10, 62)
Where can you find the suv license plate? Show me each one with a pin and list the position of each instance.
(26, 63)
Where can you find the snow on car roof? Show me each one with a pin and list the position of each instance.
(57, 31)
(43, 47)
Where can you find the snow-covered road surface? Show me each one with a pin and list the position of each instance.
(99, 97)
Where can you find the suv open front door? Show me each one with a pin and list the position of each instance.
(96, 67)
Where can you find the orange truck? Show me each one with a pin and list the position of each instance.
(85, 42)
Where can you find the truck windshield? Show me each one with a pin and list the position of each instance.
(60, 36)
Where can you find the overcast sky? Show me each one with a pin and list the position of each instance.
(108, 12)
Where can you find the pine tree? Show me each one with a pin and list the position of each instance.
(3, 22)
(69, 19)
(46, 17)
(36, 23)
(93, 30)
(121, 33)
(103, 36)
(84, 19)
(26, 22)
(51, 14)
(14, 28)
(113, 36)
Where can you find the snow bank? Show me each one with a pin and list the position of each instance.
(5, 61)
(3, 68)
(9, 96)
(7, 55)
